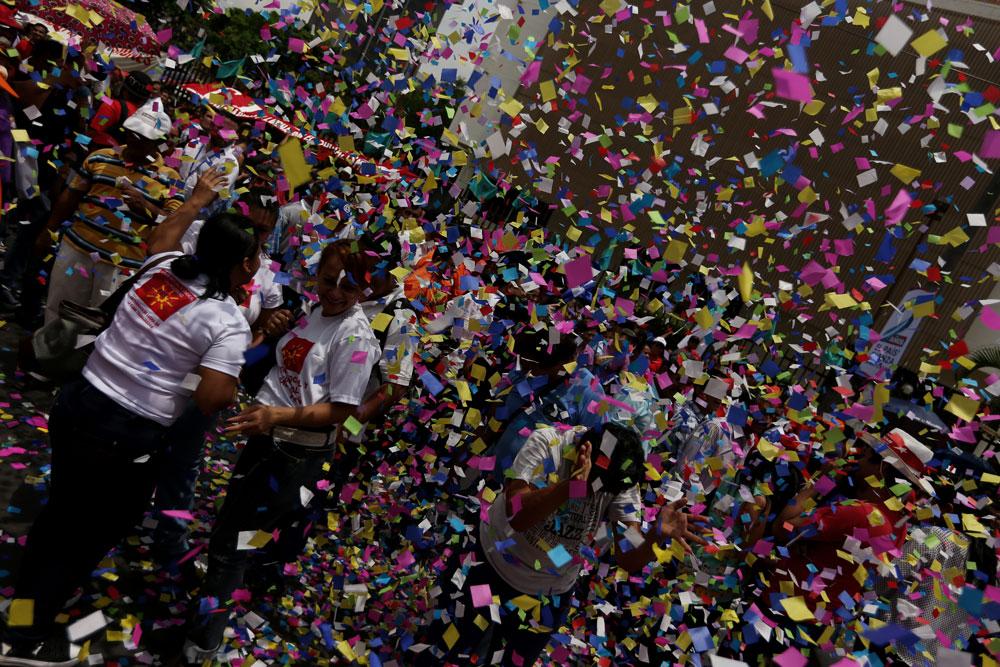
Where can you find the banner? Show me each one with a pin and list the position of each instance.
(896, 335)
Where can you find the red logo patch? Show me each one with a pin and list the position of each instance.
(293, 355)
(164, 294)
(249, 289)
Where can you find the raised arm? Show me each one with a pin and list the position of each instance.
(538, 504)
(167, 235)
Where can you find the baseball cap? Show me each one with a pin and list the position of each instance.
(149, 120)
(906, 454)
(138, 84)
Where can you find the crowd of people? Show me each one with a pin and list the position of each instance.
(574, 431)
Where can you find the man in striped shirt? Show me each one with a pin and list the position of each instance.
(111, 205)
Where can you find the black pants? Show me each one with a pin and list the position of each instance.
(264, 491)
(103, 470)
(514, 635)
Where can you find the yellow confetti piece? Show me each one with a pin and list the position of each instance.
(648, 102)
(962, 407)
(840, 300)
(970, 524)
(905, 174)
(929, 43)
(768, 10)
(675, 251)
(548, 90)
(21, 613)
(745, 282)
(294, 162)
(345, 648)
(813, 107)
(511, 107)
(381, 321)
(796, 609)
(704, 318)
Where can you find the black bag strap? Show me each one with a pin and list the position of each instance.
(110, 305)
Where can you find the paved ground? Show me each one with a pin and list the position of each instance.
(24, 453)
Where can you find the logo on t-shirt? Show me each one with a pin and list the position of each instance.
(164, 294)
(248, 291)
(293, 355)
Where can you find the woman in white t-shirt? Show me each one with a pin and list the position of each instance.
(177, 333)
(322, 370)
(260, 304)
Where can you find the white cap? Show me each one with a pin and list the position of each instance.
(149, 120)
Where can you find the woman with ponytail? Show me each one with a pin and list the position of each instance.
(178, 334)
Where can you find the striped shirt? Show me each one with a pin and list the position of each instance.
(103, 223)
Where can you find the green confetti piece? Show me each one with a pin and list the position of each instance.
(353, 425)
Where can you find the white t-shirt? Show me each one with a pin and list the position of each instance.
(401, 339)
(161, 334)
(522, 559)
(262, 290)
(395, 365)
(329, 360)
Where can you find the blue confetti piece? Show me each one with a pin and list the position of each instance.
(255, 354)
(327, 633)
(559, 556)
(150, 365)
(431, 383)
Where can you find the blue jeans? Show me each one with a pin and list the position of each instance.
(262, 495)
(104, 461)
(176, 478)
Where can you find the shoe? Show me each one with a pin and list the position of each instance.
(54, 652)
(195, 655)
(9, 301)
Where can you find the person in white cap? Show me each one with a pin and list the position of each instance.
(111, 205)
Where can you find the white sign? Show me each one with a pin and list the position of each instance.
(895, 337)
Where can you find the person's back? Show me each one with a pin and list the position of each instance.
(101, 223)
(163, 331)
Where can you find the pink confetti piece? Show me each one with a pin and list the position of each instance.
(990, 318)
(790, 658)
(578, 271)
(991, 145)
(792, 85)
(482, 596)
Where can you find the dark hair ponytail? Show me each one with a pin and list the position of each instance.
(224, 242)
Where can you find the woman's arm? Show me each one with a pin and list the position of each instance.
(167, 235)
(215, 390)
